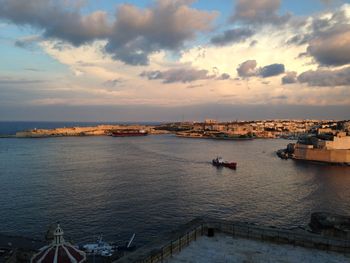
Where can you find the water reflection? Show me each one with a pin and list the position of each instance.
(118, 186)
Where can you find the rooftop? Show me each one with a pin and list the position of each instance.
(225, 248)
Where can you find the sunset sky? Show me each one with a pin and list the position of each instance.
(94, 60)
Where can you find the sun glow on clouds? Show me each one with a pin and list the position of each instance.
(208, 72)
(95, 68)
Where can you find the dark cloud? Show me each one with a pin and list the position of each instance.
(297, 40)
(27, 42)
(321, 24)
(331, 48)
(131, 37)
(316, 27)
(253, 43)
(56, 20)
(327, 40)
(167, 25)
(326, 77)
(194, 86)
(259, 12)
(8, 81)
(247, 69)
(290, 78)
(112, 83)
(271, 70)
(33, 69)
(224, 76)
(281, 97)
(303, 54)
(183, 75)
(232, 36)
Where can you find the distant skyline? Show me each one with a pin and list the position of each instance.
(93, 60)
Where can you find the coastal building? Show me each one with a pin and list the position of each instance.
(210, 121)
(324, 148)
(59, 251)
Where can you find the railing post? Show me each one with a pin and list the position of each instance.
(171, 248)
(179, 243)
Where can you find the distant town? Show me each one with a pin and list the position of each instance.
(287, 129)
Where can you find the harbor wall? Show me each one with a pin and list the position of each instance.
(322, 155)
(171, 244)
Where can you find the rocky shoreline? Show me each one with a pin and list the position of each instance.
(100, 130)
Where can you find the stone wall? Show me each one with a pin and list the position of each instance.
(322, 155)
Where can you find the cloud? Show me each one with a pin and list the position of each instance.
(253, 43)
(224, 76)
(133, 35)
(280, 97)
(10, 81)
(56, 20)
(247, 69)
(332, 48)
(183, 75)
(271, 70)
(312, 27)
(27, 42)
(326, 77)
(327, 37)
(329, 40)
(112, 83)
(137, 33)
(194, 86)
(33, 69)
(232, 36)
(258, 12)
(290, 78)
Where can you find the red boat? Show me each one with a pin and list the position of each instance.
(219, 162)
(129, 133)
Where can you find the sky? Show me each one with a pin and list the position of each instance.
(169, 60)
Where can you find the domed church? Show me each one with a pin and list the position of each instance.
(59, 251)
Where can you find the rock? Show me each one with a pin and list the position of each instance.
(331, 225)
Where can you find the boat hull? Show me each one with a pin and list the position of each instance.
(128, 134)
(232, 166)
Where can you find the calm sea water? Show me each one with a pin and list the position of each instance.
(148, 185)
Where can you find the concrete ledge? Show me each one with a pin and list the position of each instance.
(173, 242)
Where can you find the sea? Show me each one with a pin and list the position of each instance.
(151, 185)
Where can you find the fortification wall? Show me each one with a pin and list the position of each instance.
(322, 155)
